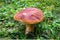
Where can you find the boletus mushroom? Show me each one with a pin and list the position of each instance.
(29, 16)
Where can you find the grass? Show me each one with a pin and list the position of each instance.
(49, 28)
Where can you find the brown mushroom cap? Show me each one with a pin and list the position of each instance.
(29, 16)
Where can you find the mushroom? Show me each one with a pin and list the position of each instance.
(29, 16)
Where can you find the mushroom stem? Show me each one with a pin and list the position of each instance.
(29, 28)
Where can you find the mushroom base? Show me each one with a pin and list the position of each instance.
(29, 28)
